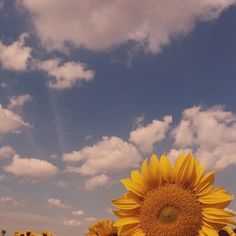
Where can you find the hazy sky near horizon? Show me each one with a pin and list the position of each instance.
(89, 89)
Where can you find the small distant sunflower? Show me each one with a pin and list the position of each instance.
(47, 233)
(172, 200)
(17, 233)
(102, 228)
(28, 232)
(227, 231)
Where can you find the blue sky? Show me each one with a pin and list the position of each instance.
(88, 91)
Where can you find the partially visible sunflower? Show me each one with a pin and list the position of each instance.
(47, 233)
(227, 231)
(172, 200)
(28, 232)
(102, 228)
(17, 233)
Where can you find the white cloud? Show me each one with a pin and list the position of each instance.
(10, 122)
(99, 25)
(210, 133)
(3, 85)
(138, 121)
(108, 155)
(72, 156)
(96, 181)
(71, 223)
(31, 167)
(65, 75)
(78, 213)
(55, 202)
(16, 55)
(145, 137)
(90, 219)
(89, 137)
(6, 152)
(6, 200)
(17, 102)
(54, 156)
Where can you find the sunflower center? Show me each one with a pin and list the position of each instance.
(170, 211)
(168, 214)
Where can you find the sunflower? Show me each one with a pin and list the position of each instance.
(172, 200)
(102, 228)
(28, 232)
(46, 233)
(227, 231)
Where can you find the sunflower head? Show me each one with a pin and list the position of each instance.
(102, 228)
(172, 200)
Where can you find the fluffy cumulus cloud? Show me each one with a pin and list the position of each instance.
(95, 181)
(90, 219)
(10, 122)
(78, 213)
(99, 25)
(144, 137)
(16, 55)
(210, 133)
(138, 121)
(108, 155)
(55, 202)
(71, 223)
(31, 168)
(6, 152)
(17, 102)
(65, 75)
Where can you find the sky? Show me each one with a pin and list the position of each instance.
(89, 89)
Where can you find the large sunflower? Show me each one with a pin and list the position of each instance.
(167, 200)
(102, 228)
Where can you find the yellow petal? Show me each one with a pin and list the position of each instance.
(131, 230)
(185, 173)
(138, 179)
(215, 215)
(216, 226)
(209, 232)
(216, 197)
(126, 221)
(155, 171)
(201, 233)
(126, 203)
(199, 172)
(139, 233)
(146, 174)
(134, 187)
(126, 213)
(205, 181)
(167, 169)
